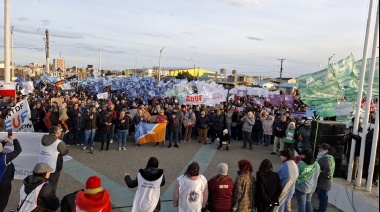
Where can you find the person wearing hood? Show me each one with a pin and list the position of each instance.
(7, 169)
(306, 183)
(191, 191)
(52, 150)
(94, 197)
(37, 194)
(306, 130)
(147, 198)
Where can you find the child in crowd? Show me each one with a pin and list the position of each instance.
(63, 117)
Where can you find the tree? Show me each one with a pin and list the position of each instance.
(184, 75)
(108, 73)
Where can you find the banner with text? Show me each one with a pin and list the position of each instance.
(18, 120)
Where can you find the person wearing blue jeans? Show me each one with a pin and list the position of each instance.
(327, 165)
(174, 127)
(307, 180)
(89, 136)
(122, 138)
(267, 139)
(173, 138)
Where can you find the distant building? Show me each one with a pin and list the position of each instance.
(59, 63)
(235, 80)
(285, 80)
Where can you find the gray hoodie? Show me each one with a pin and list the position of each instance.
(48, 140)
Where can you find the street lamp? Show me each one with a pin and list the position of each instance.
(328, 63)
(159, 66)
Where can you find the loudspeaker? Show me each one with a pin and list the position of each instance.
(332, 133)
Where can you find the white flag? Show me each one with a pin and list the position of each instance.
(66, 86)
(102, 95)
(27, 88)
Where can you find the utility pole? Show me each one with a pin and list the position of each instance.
(76, 65)
(7, 77)
(282, 60)
(100, 61)
(12, 55)
(159, 66)
(328, 62)
(47, 52)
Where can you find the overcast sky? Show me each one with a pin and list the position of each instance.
(247, 35)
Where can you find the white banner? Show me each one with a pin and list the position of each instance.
(19, 118)
(66, 86)
(30, 144)
(28, 88)
(344, 109)
(194, 99)
(102, 95)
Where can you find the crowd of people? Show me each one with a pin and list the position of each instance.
(81, 119)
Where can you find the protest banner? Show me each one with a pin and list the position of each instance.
(343, 109)
(242, 93)
(299, 114)
(28, 158)
(102, 95)
(59, 100)
(194, 99)
(18, 119)
(27, 88)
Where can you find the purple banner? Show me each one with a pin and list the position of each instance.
(242, 93)
(289, 101)
(258, 101)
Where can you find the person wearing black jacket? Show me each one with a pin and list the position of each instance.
(54, 117)
(279, 129)
(256, 130)
(35, 117)
(7, 169)
(217, 126)
(268, 187)
(105, 124)
(151, 174)
(123, 123)
(44, 196)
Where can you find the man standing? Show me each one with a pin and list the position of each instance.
(37, 193)
(7, 170)
(51, 151)
(279, 133)
(327, 165)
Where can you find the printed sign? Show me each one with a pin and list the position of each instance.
(19, 118)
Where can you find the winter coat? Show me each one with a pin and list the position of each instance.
(257, 127)
(79, 123)
(268, 190)
(97, 202)
(174, 124)
(90, 124)
(220, 194)
(244, 192)
(54, 118)
(248, 123)
(267, 127)
(311, 169)
(125, 125)
(203, 122)
(10, 169)
(139, 119)
(105, 129)
(149, 174)
(161, 118)
(327, 165)
(47, 199)
(281, 125)
(48, 140)
(35, 116)
(218, 123)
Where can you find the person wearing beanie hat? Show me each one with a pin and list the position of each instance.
(94, 197)
(36, 193)
(290, 136)
(224, 139)
(220, 190)
(147, 198)
(7, 169)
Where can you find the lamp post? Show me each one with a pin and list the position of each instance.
(159, 66)
(328, 62)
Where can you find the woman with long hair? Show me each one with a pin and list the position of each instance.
(220, 190)
(191, 191)
(268, 187)
(244, 188)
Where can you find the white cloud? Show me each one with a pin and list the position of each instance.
(242, 3)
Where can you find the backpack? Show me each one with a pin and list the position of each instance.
(47, 121)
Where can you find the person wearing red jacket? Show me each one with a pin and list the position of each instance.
(93, 198)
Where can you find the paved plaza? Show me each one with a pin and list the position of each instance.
(112, 165)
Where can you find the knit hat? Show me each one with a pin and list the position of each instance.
(225, 131)
(93, 185)
(222, 169)
(324, 146)
(41, 168)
